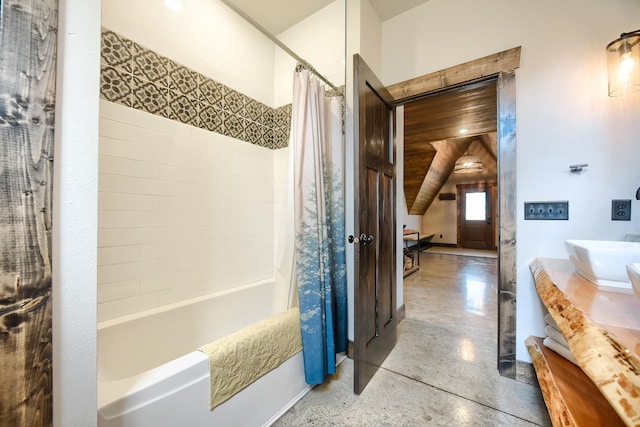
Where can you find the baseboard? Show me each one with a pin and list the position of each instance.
(401, 313)
(409, 272)
(444, 245)
(525, 373)
(288, 406)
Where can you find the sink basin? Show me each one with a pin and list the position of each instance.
(604, 262)
(633, 270)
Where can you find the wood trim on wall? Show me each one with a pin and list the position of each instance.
(507, 209)
(28, 42)
(502, 64)
(477, 69)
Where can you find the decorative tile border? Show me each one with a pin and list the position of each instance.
(139, 78)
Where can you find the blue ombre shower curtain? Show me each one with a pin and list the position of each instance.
(317, 141)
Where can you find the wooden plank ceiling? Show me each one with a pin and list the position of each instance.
(433, 143)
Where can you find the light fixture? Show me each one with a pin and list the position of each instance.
(467, 164)
(623, 62)
(174, 5)
(463, 131)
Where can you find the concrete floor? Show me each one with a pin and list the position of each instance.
(442, 371)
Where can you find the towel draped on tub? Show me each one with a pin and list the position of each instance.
(241, 358)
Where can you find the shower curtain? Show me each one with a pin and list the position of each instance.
(320, 268)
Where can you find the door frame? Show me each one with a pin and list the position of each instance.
(502, 66)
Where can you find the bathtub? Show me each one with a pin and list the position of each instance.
(150, 372)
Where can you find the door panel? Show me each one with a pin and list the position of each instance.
(375, 224)
(386, 244)
(367, 252)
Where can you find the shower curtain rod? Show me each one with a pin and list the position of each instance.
(274, 39)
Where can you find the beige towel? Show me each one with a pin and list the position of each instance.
(241, 358)
(549, 321)
(560, 349)
(556, 335)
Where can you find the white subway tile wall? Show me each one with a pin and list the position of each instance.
(182, 211)
(192, 159)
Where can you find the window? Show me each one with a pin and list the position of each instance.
(476, 206)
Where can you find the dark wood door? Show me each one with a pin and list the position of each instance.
(375, 224)
(475, 216)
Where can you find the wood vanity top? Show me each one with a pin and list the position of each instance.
(602, 329)
(571, 397)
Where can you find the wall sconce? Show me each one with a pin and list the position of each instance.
(467, 164)
(623, 61)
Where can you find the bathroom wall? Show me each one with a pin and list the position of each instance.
(184, 210)
(362, 37)
(191, 178)
(564, 115)
(206, 36)
(75, 195)
(318, 39)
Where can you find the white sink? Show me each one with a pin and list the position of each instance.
(604, 262)
(633, 270)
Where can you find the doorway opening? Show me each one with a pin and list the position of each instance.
(500, 67)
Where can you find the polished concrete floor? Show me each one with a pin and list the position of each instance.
(442, 371)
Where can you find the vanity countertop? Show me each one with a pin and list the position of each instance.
(602, 329)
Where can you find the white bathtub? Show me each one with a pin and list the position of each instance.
(151, 374)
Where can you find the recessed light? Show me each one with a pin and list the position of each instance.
(463, 131)
(174, 5)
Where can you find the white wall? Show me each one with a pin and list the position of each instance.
(362, 37)
(206, 36)
(75, 214)
(412, 222)
(564, 115)
(371, 37)
(319, 39)
(441, 218)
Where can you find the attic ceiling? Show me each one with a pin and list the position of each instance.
(433, 143)
(278, 15)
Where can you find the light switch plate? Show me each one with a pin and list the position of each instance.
(546, 210)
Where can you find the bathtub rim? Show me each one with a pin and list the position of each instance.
(119, 397)
(108, 411)
(116, 321)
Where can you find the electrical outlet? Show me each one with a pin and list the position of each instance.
(621, 210)
(546, 210)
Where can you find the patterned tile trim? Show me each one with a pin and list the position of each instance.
(139, 78)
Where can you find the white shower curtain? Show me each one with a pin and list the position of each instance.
(320, 270)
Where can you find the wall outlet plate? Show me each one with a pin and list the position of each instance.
(621, 210)
(546, 210)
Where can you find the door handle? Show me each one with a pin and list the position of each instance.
(366, 240)
(363, 239)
